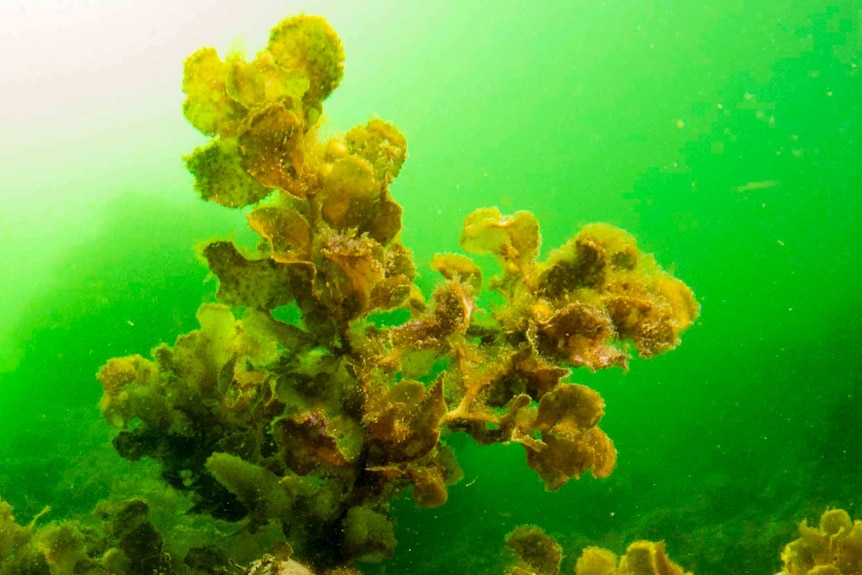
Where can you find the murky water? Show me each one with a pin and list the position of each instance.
(726, 138)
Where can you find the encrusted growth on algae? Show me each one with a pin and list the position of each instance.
(317, 426)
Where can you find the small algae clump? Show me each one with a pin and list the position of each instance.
(641, 558)
(120, 541)
(312, 427)
(539, 554)
(834, 548)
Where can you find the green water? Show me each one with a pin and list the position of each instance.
(726, 138)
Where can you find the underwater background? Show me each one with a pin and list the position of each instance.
(725, 137)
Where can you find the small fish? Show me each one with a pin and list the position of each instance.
(756, 186)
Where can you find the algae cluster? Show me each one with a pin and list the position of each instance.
(317, 425)
(308, 429)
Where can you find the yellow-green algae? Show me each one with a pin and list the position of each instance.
(331, 425)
